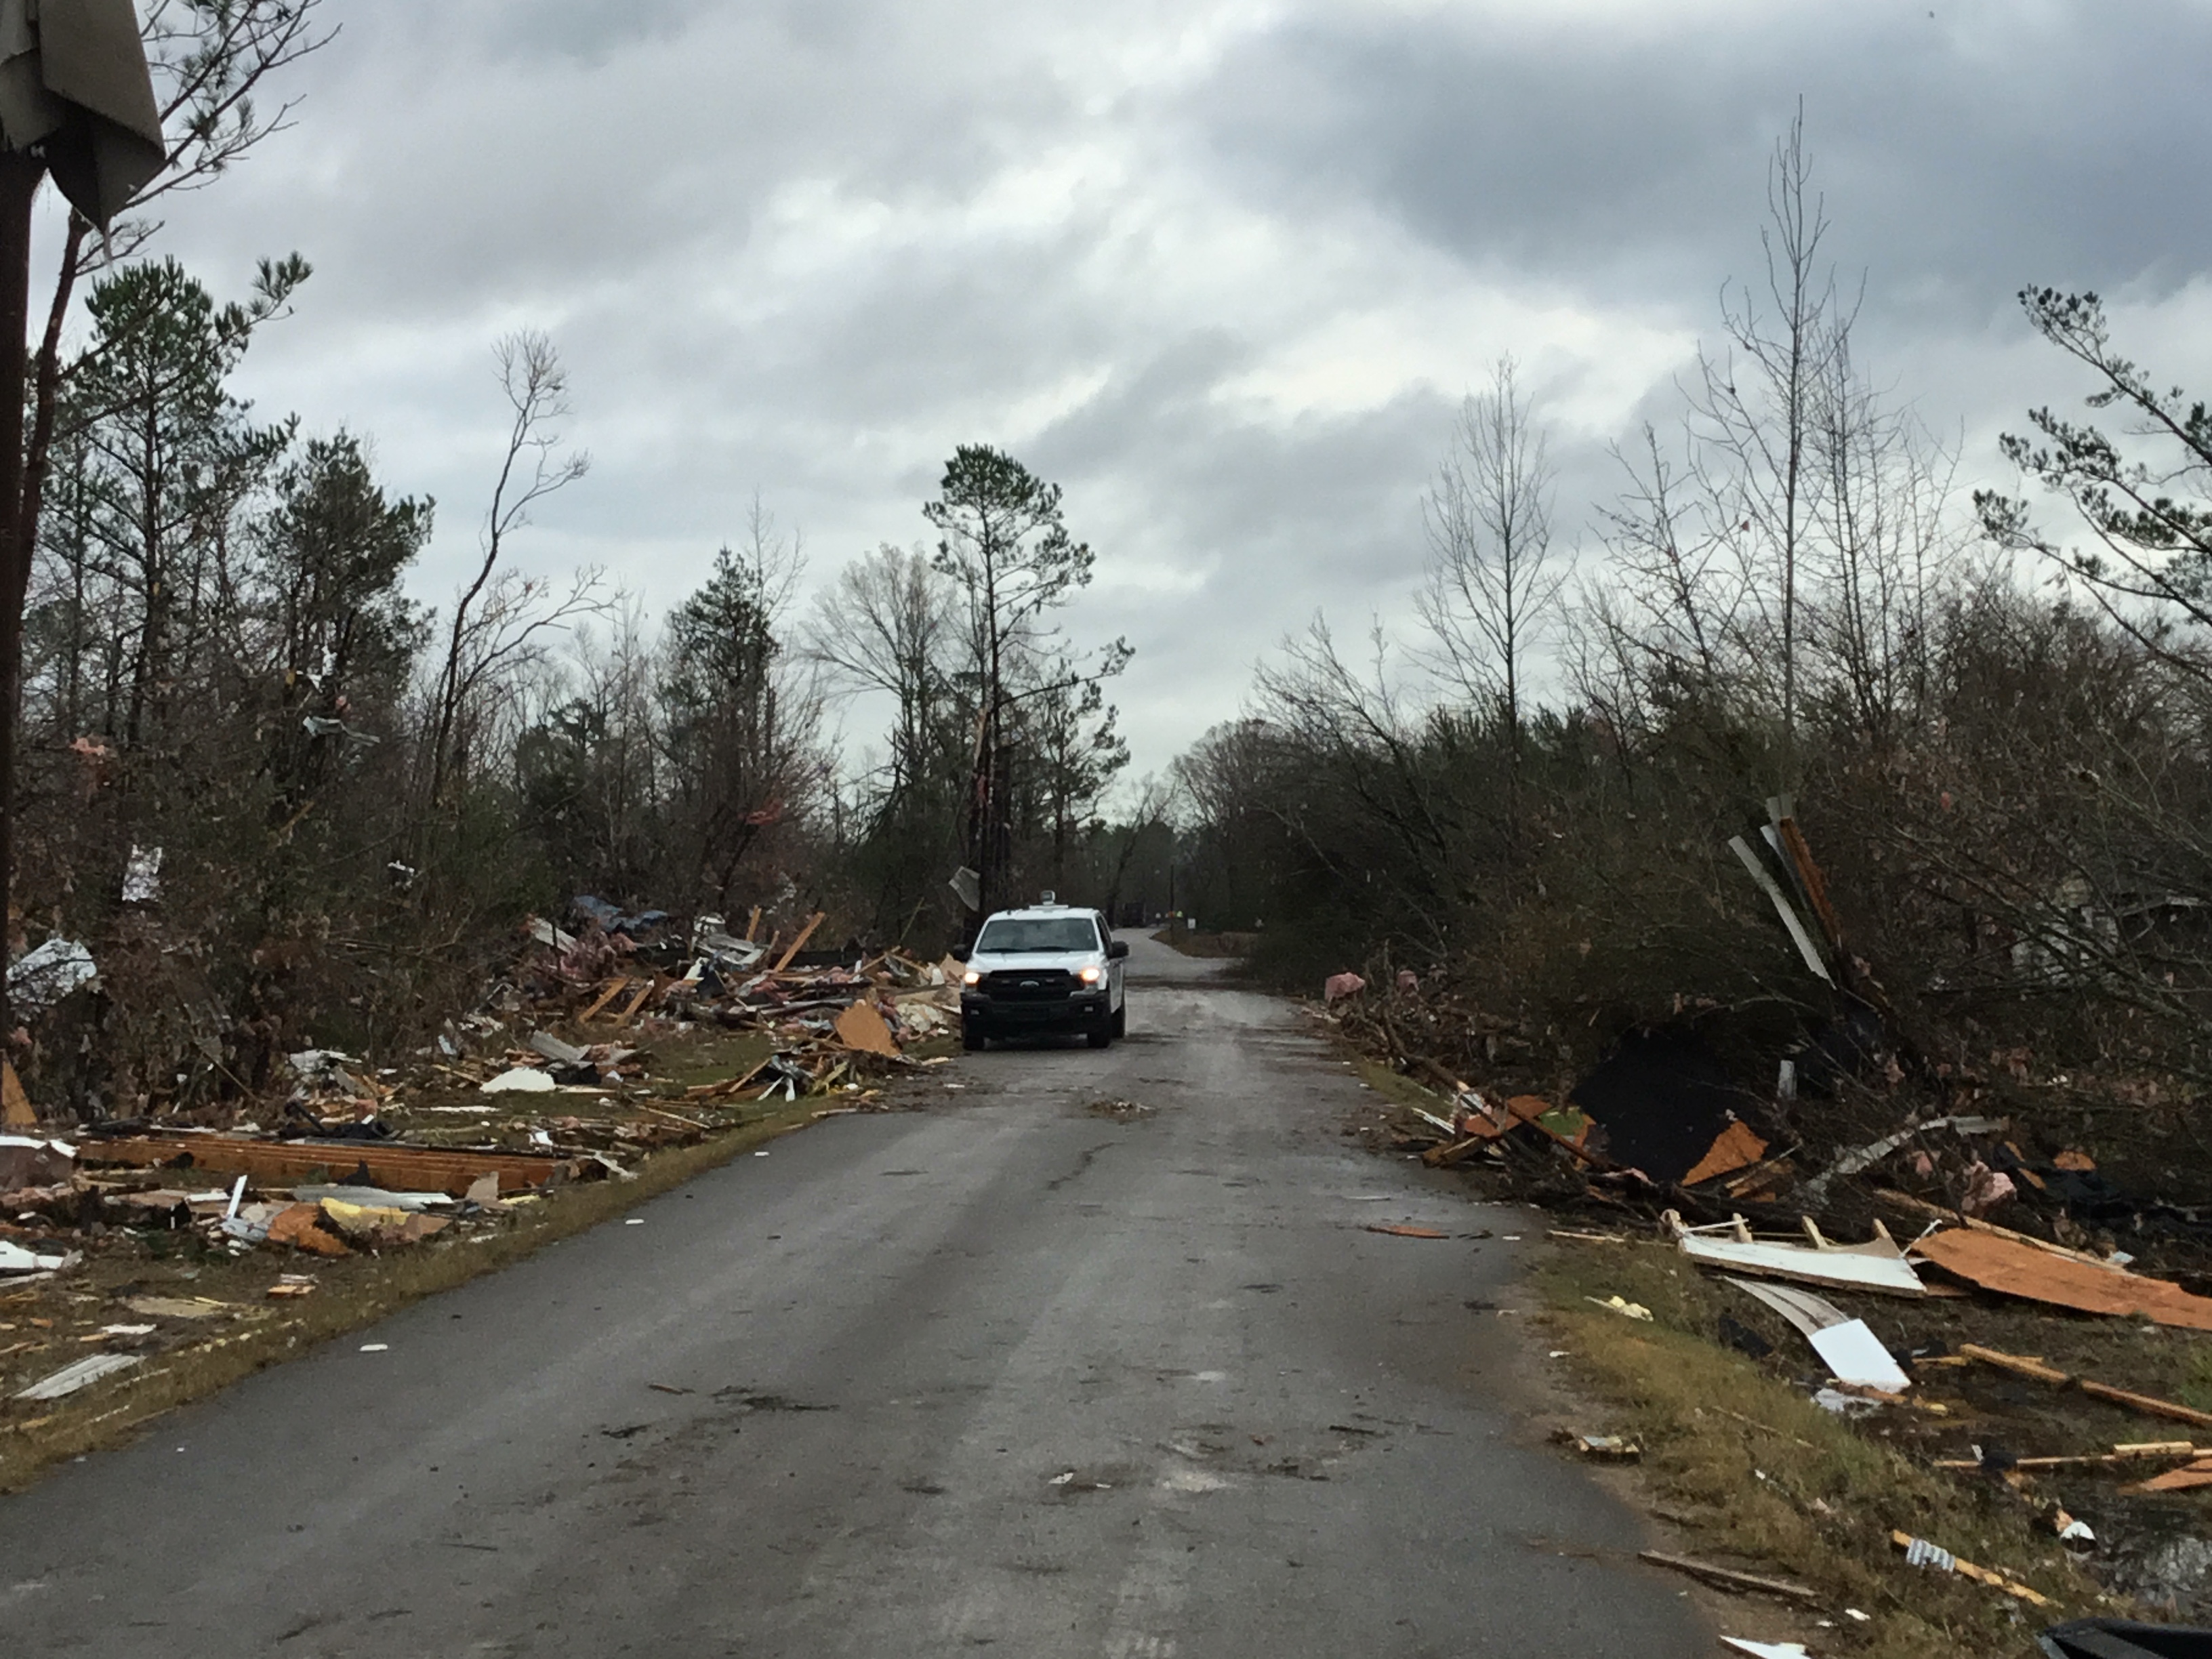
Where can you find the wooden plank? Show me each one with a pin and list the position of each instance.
(636, 1002)
(728, 1086)
(2176, 1450)
(752, 924)
(613, 990)
(1994, 1579)
(2185, 1480)
(1444, 1157)
(2020, 1366)
(798, 944)
(273, 1162)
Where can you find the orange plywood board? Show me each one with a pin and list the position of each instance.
(2021, 1270)
(1736, 1147)
(862, 1028)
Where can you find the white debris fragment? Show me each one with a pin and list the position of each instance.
(522, 1079)
(40, 978)
(141, 876)
(71, 1378)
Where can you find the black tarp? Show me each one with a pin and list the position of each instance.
(1661, 1099)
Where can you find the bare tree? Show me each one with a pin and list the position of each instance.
(1491, 586)
(1753, 410)
(480, 639)
(887, 625)
(1883, 554)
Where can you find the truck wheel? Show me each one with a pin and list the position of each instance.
(972, 1039)
(1121, 1020)
(1099, 1037)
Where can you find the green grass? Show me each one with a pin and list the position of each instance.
(1762, 1479)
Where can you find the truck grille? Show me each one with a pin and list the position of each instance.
(1030, 985)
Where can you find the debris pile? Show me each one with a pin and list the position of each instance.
(629, 1034)
(1981, 1232)
(823, 1008)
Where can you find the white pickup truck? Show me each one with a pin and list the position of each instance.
(1042, 969)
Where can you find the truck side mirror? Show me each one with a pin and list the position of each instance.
(959, 953)
(1117, 949)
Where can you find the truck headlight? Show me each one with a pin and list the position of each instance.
(1090, 975)
(971, 977)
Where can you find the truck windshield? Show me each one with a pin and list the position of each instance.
(1008, 935)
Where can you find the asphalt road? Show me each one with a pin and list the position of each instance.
(1002, 1374)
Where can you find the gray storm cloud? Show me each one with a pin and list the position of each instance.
(1222, 269)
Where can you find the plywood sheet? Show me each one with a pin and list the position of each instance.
(1736, 1147)
(862, 1028)
(2021, 1270)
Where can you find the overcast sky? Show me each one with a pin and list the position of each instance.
(1222, 268)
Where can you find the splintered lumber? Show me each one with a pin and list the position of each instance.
(1919, 1553)
(1729, 1578)
(798, 944)
(1444, 1157)
(729, 1085)
(2037, 1275)
(285, 1162)
(2128, 1452)
(614, 989)
(2020, 1365)
(636, 1002)
(752, 924)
